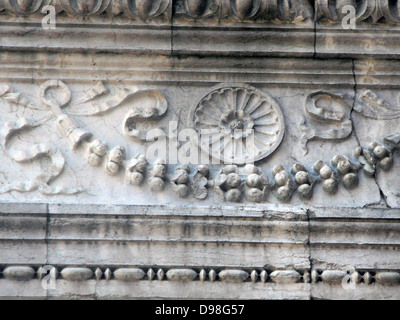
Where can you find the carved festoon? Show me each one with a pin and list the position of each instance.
(238, 113)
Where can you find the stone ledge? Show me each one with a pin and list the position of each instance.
(256, 40)
(249, 238)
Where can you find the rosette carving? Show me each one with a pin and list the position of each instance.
(238, 124)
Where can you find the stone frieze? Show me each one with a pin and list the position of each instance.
(232, 132)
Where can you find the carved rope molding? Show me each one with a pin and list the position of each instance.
(283, 277)
(239, 10)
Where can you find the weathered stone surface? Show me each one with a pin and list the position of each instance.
(129, 274)
(19, 273)
(233, 275)
(181, 275)
(281, 276)
(301, 112)
(388, 278)
(76, 274)
(333, 276)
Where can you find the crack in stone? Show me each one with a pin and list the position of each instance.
(46, 240)
(383, 196)
(309, 250)
(355, 91)
(315, 35)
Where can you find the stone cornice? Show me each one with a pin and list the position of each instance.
(318, 33)
(321, 245)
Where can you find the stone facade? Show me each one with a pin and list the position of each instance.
(212, 149)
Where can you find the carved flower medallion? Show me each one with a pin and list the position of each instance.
(238, 124)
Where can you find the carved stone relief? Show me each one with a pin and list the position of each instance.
(328, 116)
(239, 10)
(227, 110)
(375, 9)
(243, 124)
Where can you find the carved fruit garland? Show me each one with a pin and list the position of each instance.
(233, 183)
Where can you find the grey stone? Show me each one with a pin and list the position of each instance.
(129, 274)
(76, 274)
(81, 191)
(233, 275)
(282, 276)
(181, 275)
(18, 273)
